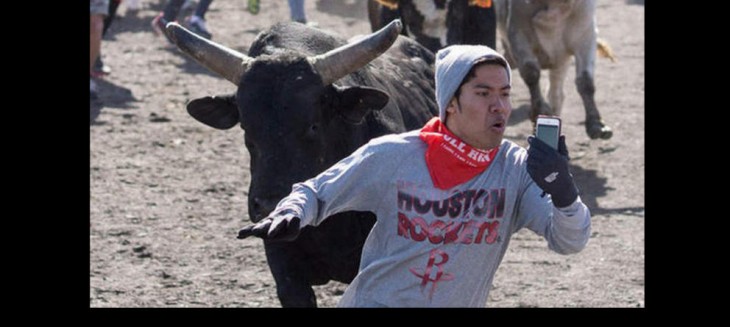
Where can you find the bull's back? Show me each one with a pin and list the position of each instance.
(554, 29)
(406, 73)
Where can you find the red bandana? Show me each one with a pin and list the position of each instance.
(450, 161)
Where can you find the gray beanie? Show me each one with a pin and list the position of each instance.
(452, 65)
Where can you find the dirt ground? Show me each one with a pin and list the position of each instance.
(168, 194)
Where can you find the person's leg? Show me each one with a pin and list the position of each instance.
(168, 14)
(172, 9)
(202, 8)
(97, 10)
(113, 6)
(196, 22)
(99, 67)
(296, 10)
(97, 24)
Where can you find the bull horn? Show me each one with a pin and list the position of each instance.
(337, 63)
(228, 63)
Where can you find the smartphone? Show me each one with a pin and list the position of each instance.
(547, 129)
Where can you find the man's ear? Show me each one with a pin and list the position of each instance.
(357, 101)
(218, 111)
(453, 106)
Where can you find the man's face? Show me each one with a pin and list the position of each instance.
(480, 115)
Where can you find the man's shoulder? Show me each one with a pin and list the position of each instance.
(390, 146)
(399, 141)
(511, 149)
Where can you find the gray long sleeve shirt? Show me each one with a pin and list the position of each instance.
(433, 247)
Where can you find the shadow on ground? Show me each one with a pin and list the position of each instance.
(592, 186)
(110, 95)
(95, 106)
(115, 96)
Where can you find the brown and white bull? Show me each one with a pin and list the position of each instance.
(545, 34)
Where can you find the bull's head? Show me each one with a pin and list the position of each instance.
(297, 122)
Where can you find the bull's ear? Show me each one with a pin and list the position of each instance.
(357, 101)
(218, 111)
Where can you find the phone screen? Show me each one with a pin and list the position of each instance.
(548, 134)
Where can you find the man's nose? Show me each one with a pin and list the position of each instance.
(498, 105)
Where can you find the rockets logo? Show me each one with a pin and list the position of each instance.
(440, 276)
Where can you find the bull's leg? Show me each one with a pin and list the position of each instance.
(529, 67)
(291, 275)
(585, 57)
(530, 72)
(594, 124)
(555, 90)
(508, 54)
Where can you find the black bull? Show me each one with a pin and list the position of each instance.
(307, 99)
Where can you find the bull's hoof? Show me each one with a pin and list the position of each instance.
(598, 130)
(543, 109)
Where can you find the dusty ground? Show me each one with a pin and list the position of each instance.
(168, 194)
